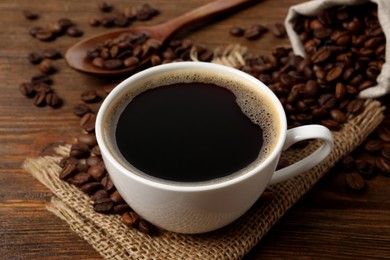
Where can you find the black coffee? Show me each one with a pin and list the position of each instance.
(187, 132)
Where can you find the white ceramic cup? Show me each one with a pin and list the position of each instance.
(189, 208)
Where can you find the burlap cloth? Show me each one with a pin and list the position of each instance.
(113, 240)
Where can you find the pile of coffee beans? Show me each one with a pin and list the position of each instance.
(39, 88)
(123, 18)
(255, 31)
(368, 160)
(85, 169)
(129, 50)
(322, 87)
(51, 31)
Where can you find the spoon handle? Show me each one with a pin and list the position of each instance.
(201, 13)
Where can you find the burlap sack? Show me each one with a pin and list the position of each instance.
(314, 7)
(113, 240)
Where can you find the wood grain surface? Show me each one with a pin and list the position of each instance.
(329, 222)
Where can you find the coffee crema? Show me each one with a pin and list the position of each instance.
(192, 127)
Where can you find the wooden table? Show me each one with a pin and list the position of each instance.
(328, 222)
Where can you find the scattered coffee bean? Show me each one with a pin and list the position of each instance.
(105, 6)
(90, 96)
(236, 30)
(35, 58)
(30, 15)
(47, 67)
(81, 109)
(117, 198)
(100, 194)
(74, 31)
(87, 121)
(355, 181)
(278, 30)
(254, 31)
(97, 172)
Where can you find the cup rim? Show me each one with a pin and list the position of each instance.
(182, 187)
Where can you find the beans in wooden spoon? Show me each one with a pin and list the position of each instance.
(123, 51)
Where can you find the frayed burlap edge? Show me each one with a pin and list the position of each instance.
(113, 240)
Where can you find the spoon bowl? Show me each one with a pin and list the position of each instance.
(76, 56)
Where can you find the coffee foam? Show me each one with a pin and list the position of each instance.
(253, 103)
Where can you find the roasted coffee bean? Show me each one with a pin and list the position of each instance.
(97, 172)
(93, 160)
(254, 31)
(87, 121)
(278, 30)
(147, 228)
(41, 78)
(340, 91)
(108, 184)
(131, 61)
(79, 150)
(355, 181)
(113, 64)
(117, 198)
(130, 219)
(81, 166)
(90, 96)
(74, 31)
(27, 89)
(145, 12)
(338, 116)
(383, 164)
(94, 22)
(51, 53)
(96, 150)
(81, 109)
(366, 169)
(321, 56)
(105, 6)
(121, 208)
(334, 74)
(348, 163)
(91, 187)
(373, 146)
(386, 152)
(44, 34)
(47, 67)
(355, 106)
(68, 170)
(383, 133)
(30, 15)
(40, 99)
(53, 100)
(88, 139)
(100, 194)
(103, 205)
(331, 124)
(65, 23)
(68, 160)
(35, 58)
(236, 30)
(79, 179)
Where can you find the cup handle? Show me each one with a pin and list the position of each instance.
(301, 133)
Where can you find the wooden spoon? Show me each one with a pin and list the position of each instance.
(76, 56)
